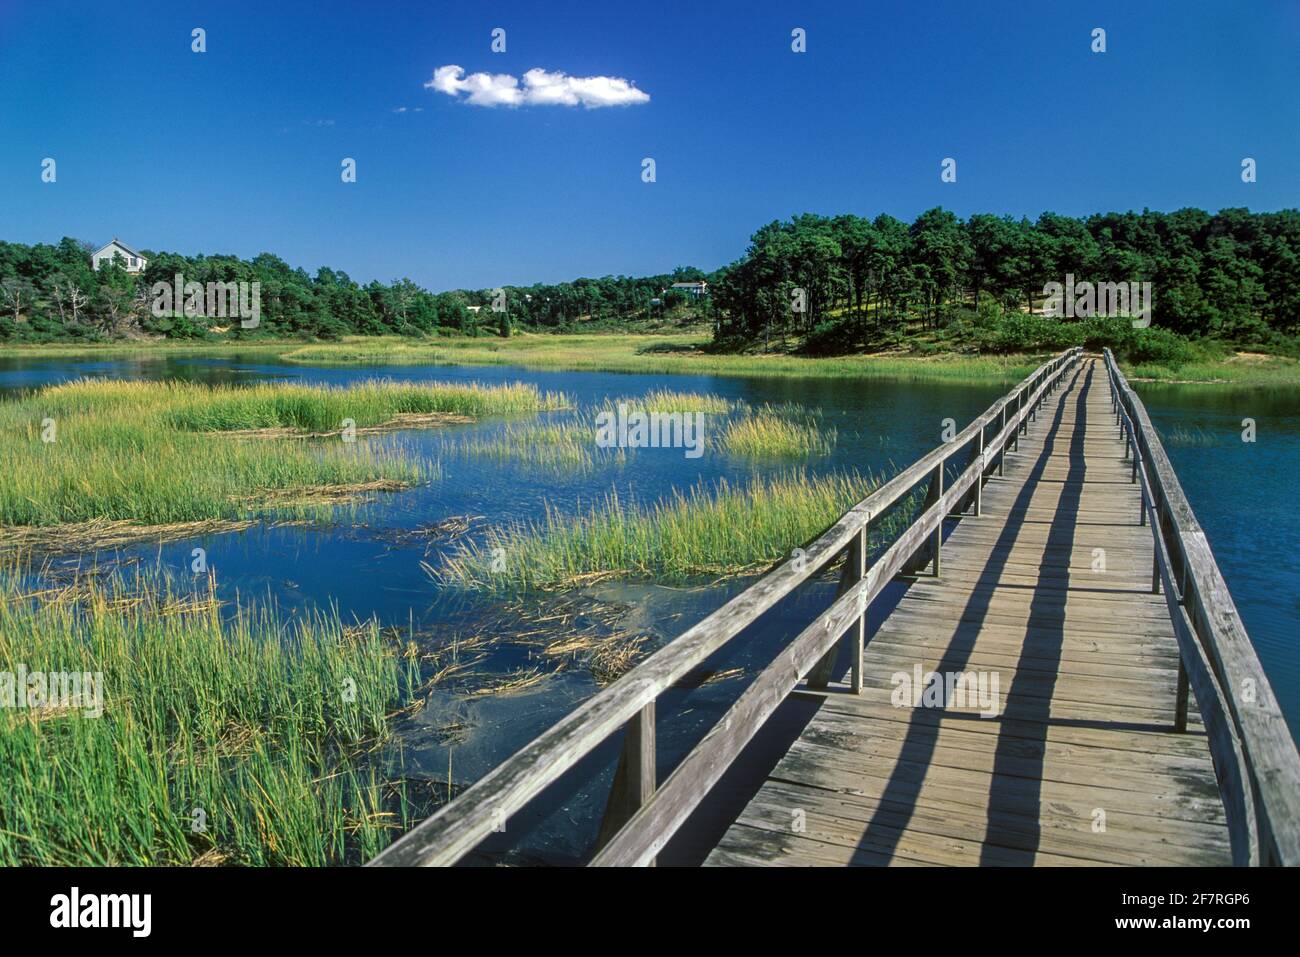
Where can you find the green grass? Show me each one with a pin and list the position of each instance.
(732, 427)
(669, 353)
(657, 354)
(150, 348)
(667, 400)
(321, 409)
(767, 434)
(274, 730)
(569, 445)
(561, 447)
(144, 452)
(660, 353)
(708, 530)
(1242, 369)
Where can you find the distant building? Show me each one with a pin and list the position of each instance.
(696, 290)
(132, 261)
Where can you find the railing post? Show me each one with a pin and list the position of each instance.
(1157, 529)
(1002, 449)
(858, 556)
(634, 781)
(1180, 699)
(979, 479)
(936, 493)
(855, 567)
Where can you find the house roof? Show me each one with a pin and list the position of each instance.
(687, 285)
(120, 245)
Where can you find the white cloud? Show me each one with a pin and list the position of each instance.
(540, 88)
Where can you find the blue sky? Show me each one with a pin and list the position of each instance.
(238, 149)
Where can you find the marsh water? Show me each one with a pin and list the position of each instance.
(378, 559)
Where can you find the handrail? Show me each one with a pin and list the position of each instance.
(1255, 757)
(639, 818)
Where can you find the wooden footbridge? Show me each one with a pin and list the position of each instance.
(1066, 680)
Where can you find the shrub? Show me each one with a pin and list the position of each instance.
(1025, 332)
(831, 338)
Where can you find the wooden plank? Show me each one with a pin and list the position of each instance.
(877, 709)
(1165, 797)
(1127, 840)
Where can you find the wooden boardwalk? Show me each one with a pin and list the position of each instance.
(1049, 591)
(1101, 702)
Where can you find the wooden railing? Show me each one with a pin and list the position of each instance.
(641, 817)
(1254, 754)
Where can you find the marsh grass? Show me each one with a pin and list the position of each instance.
(568, 445)
(552, 446)
(673, 353)
(105, 467)
(322, 410)
(769, 434)
(276, 731)
(668, 400)
(146, 452)
(655, 353)
(709, 530)
(676, 353)
(1244, 369)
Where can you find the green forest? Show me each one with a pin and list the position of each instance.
(816, 284)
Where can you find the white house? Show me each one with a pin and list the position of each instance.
(132, 261)
(696, 290)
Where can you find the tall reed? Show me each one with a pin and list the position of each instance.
(709, 530)
(147, 452)
(766, 434)
(250, 741)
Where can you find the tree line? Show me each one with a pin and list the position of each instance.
(51, 292)
(1231, 275)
